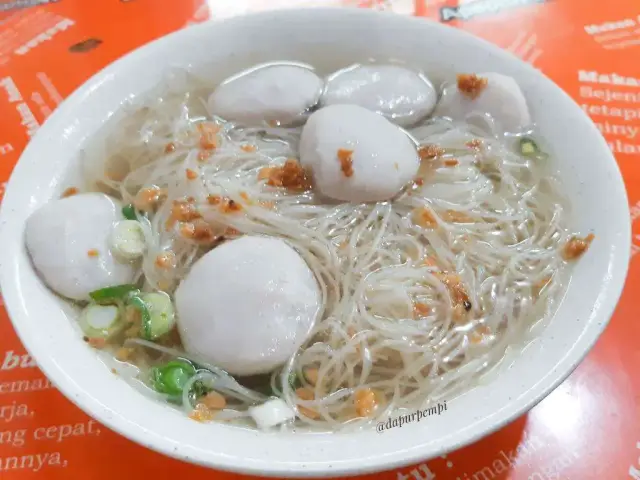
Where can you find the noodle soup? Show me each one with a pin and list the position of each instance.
(312, 250)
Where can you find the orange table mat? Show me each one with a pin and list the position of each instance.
(588, 428)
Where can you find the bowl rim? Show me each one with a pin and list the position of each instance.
(16, 308)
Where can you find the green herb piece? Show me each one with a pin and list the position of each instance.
(161, 314)
(140, 305)
(129, 212)
(528, 147)
(110, 294)
(100, 321)
(172, 377)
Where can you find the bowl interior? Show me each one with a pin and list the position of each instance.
(329, 39)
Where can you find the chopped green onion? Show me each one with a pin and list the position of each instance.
(156, 310)
(140, 305)
(172, 377)
(161, 314)
(109, 294)
(100, 321)
(127, 240)
(528, 147)
(129, 212)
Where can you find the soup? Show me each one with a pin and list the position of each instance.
(303, 251)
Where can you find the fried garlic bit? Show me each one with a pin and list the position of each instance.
(201, 413)
(198, 231)
(213, 401)
(421, 310)
(430, 152)
(226, 204)
(69, 192)
(208, 135)
(470, 85)
(166, 260)
(365, 402)
(460, 301)
(423, 217)
(214, 199)
(291, 176)
(182, 211)
(147, 199)
(454, 216)
(203, 155)
(230, 206)
(456, 289)
(191, 174)
(306, 394)
(476, 143)
(346, 162)
(576, 247)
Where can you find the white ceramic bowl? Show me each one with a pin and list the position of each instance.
(331, 38)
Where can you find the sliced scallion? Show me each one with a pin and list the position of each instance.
(127, 240)
(145, 315)
(110, 294)
(161, 314)
(172, 377)
(528, 147)
(129, 212)
(100, 321)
